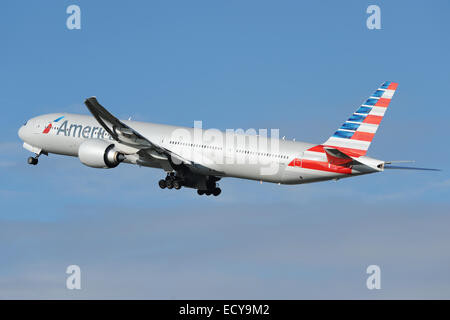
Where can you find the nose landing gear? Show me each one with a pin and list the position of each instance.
(33, 160)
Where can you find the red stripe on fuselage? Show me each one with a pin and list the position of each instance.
(295, 163)
(318, 148)
(319, 165)
(325, 166)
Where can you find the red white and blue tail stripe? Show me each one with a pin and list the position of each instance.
(352, 139)
(356, 134)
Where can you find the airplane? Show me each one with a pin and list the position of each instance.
(191, 160)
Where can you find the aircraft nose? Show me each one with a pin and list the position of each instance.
(21, 133)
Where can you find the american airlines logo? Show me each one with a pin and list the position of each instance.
(80, 131)
(48, 128)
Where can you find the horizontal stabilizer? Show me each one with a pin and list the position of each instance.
(337, 157)
(399, 161)
(409, 168)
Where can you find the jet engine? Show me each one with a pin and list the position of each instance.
(99, 154)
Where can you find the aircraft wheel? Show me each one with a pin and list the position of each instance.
(177, 185)
(200, 192)
(208, 193)
(217, 191)
(162, 184)
(33, 161)
(169, 184)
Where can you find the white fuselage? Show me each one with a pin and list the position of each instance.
(241, 156)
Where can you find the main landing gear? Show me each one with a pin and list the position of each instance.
(215, 192)
(211, 187)
(170, 182)
(175, 181)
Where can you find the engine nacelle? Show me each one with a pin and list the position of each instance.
(99, 154)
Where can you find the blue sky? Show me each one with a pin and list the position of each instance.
(302, 67)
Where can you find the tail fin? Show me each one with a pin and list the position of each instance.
(356, 134)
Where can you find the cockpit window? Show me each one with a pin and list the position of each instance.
(25, 123)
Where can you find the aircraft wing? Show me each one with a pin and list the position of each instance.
(116, 128)
(126, 135)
